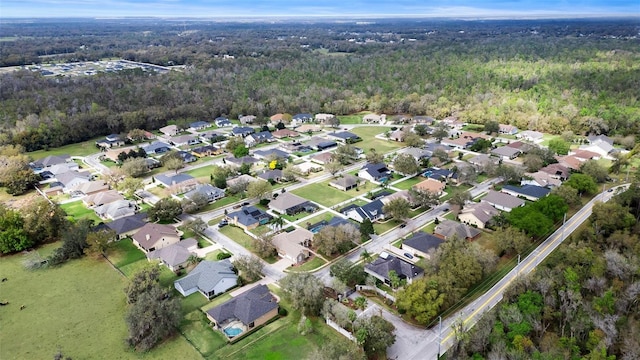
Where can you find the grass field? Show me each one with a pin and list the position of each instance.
(322, 193)
(204, 171)
(312, 264)
(236, 234)
(77, 210)
(407, 184)
(324, 215)
(350, 119)
(382, 228)
(80, 149)
(78, 308)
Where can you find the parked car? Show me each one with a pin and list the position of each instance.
(402, 226)
(222, 224)
(409, 256)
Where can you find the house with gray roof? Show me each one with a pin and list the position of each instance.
(156, 148)
(170, 130)
(102, 198)
(375, 172)
(185, 140)
(291, 204)
(242, 131)
(533, 136)
(372, 211)
(258, 138)
(210, 278)
(199, 125)
(448, 229)
(116, 209)
(247, 119)
(529, 192)
(155, 236)
(421, 244)
(345, 182)
(179, 183)
(50, 161)
(128, 225)
(175, 256)
(506, 152)
(271, 154)
(71, 179)
(477, 214)
(209, 191)
(417, 153)
(244, 312)
(502, 201)
(271, 175)
(249, 217)
(241, 160)
(294, 245)
(386, 263)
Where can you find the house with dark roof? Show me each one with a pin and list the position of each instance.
(417, 153)
(199, 125)
(178, 183)
(128, 225)
(49, 161)
(345, 182)
(345, 137)
(375, 172)
(249, 217)
(502, 201)
(421, 244)
(302, 118)
(116, 209)
(222, 121)
(244, 312)
(206, 150)
(294, 245)
(258, 138)
(184, 140)
(439, 174)
(448, 229)
(210, 278)
(155, 236)
(386, 263)
(506, 152)
(187, 157)
(156, 148)
(291, 204)
(269, 154)
(213, 136)
(324, 145)
(477, 214)
(242, 131)
(372, 211)
(274, 175)
(529, 192)
(175, 256)
(210, 192)
(110, 141)
(241, 160)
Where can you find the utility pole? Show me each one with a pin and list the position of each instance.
(439, 336)
(518, 266)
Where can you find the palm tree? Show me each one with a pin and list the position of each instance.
(366, 256)
(278, 222)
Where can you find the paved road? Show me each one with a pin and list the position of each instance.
(427, 348)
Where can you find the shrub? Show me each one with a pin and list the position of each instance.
(223, 255)
(282, 311)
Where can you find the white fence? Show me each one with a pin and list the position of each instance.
(341, 330)
(379, 291)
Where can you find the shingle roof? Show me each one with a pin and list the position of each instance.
(505, 151)
(271, 152)
(175, 254)
(150, 233)
(482, 211)
(449, 228)
(346, 181)
(126, 224)
(246, 307)
(248, 215)
(382, 266)
(502, 199)
(271, 174)
(345, 135)
(170, 180)
(422, 241)
(51, 160)
(206, 275)
(528, 190)
(286, 201)
(242, 130)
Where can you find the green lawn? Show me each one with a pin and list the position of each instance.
(381, 146)
(195, 327)
(227, 200)
(382, 228)
(167, 277)
(238, 235)
(350, 119)
(369, 132)
(324, 215)
(80, 149)
(76, 210)
(297, 216)
(78, 308)
(312, 264)
(124, 253)
(452, 190)
(204, 171)
(322, 193)
(407, 184)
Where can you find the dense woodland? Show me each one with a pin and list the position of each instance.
(550, 76)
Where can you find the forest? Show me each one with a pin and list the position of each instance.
(548, 75)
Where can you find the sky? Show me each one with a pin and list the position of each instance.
(225, 9)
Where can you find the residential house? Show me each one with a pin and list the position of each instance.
(250, 309)
(175, 256)
(442, 175)
(421, 244)
(453, 122)
(101, 198)
(308, 128)
(231, 160)
(154, 236)
(290, 204)
(345, 137)
(307, 167)
(247, 119)
(583, 155)
(448, 229)
(170, 130)
(249, 217)
(397, 135)
(280, 118)
(200, 125)
(570, 162)
(258, 138)
(481, 161)
(116, 209)
(156, 148)
(294, 245)
(71, 179)
(403, 194)
(506, 152)
(323, 118)
(285, 133)
(207, 150)
(152, 163)
(383, 265)
(302, 118)
(417, 153)
(345, 182)
(529, 192)
(465, 139)
(274, 175)
(185, 140)
(49, 161)
(244, 178)
(508, 129)
(242, 131)
(90, 188)
(374, 119)
(62, 168)
(557, 171)
(533, 136)
(432, 147)
(128, 225)
(177, 183)
(477, 214)
(210, 192)
(322, 158)
(324, 145)
(222, 121)
(594, 139)
(420, 119)
(187, 157)
(110, 141)
(540, 178)
(377, 172)
(431, 185)
(516, 145)
(270, 154)
(602, 148)
(213, 136)
(372, 211)
(210, 278)
(112, 154)
(502, 201)
(147, 136)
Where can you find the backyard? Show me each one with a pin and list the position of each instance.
(79, 309)
(79, 149)
(76, 210)
(409, 183)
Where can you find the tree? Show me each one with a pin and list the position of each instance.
(197, 225)
(135, 167)
(424, 198)
(347, 272)
(174, 164)
(142, 282)
(240, 151)
(466, 174)
(532, 162)
(531, 221)
(15, 174)
(421, 129)
(99, 243)
(234, 143)
(373, 157)
(441, 155)
(333, 167)
(510, 174)
(460, 198)
(481, 145)
(413, 140)
(421, 300)
(194, 203)
(165, 210)
(129, 186)
(333, 121)
(304, 291)
(259, 190)
(568, 194)
(593, 168)
(13, 237)
(491, 127)
(440, 131)
(405, 164)
(366, 229)
(620, 160)
(332, 239)
(345, 154)
(245, 168)
(583, 183)
(154, 317)
(361, 301)
(559, 146)
(44, 221)
(264, 246)
(609, 217)
(552, 206)
(74, 242)
(249, 266)
(398, 208)
(137, 135)
(511, 240)
(379, 334)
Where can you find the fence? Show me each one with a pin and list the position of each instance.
(342, 331)
(377, 290)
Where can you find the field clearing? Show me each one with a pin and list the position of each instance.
(81, 312)
(78, 149)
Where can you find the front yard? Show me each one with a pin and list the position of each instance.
(409, 183)
(312, 264)
(323, 194)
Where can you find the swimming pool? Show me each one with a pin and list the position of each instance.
(233, 331)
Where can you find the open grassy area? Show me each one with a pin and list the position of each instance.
(124, 253)
(227, 200)
(322, 193)
(296, 217)
(382, 228)
(350, 119)
(324, 215)
(195, 327)
(238, 235)
(312, 264)
(204, 171)
(407, 184)
(369, 132)
(79, 149)
(76, 210)
(452, 190)
(78, 308)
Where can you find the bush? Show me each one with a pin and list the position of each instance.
(282, 311)
(264, 202)
(223, 255)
